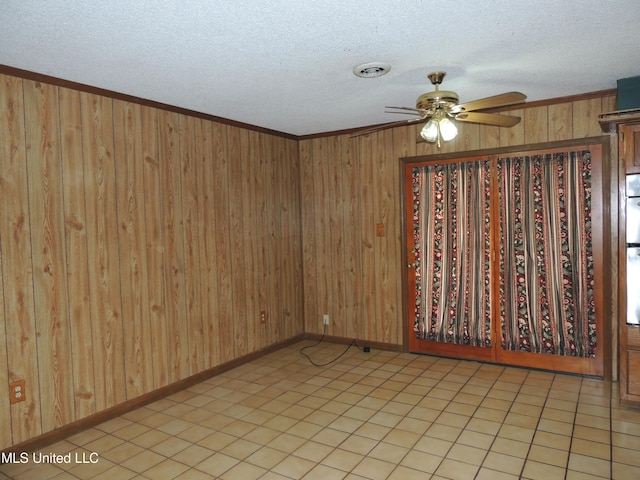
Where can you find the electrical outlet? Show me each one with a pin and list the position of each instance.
(263, 316)
(17, 392)
(325, 319)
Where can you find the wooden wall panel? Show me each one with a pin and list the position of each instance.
(609, 103)
(155, 247)
(370, 315)
(5, 404)
(241, 259)
(203, 168)
(137, 247)
(560, 120)
(44, 170)
(191, 243)
(131, 201)
(384, 186)
(489, 136)
(103, 253)
(293, 257)
(223, 249)
(324, 246)
(17, 276)
(75, 220)
(468, 137)
(215, 190)
(516, 134)
(270, 292)
(535, 124)
(173, 246)
(337, 233)
(585, 118)
(350, 208)
(369, 275)
(309, 244)
(273, 264)
(254, 210)
(325, 276)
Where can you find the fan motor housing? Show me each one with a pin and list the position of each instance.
(439, 98)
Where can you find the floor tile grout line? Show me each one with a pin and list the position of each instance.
(524, 464)
(467, 423)
(444, 456)
(404, 456)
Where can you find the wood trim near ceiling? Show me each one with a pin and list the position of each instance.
(456, 156)
(39, 77)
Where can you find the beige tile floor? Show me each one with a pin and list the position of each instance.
(377, 415)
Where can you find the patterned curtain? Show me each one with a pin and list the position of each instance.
(452, 248)
(546, 257)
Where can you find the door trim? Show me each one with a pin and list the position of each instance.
(604, 295)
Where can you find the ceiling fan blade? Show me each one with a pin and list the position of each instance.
(509, 98)
(384, 126)
(488, 118)
(415, 111)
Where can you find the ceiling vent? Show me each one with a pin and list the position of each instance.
(371, 70)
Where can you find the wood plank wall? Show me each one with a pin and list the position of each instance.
(137, 248)
(351, 189)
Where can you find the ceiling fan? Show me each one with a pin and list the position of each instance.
(440, 107)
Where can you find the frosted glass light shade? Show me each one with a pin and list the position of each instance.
(448, 130)
(430, 131)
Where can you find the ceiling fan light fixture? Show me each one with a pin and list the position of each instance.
(439, 127)
(439, 109)
(430, 131)
(448, 130)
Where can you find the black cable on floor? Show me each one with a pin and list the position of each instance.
(302, 350)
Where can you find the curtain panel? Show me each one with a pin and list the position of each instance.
(546, 254)
(451, 229)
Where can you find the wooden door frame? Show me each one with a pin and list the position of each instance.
(606, 238)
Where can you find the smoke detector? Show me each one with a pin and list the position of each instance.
(371, 69)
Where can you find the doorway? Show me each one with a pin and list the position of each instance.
(504, 258)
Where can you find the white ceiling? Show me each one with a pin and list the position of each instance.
(287, 65)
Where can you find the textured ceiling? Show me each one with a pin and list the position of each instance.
(287, 65)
